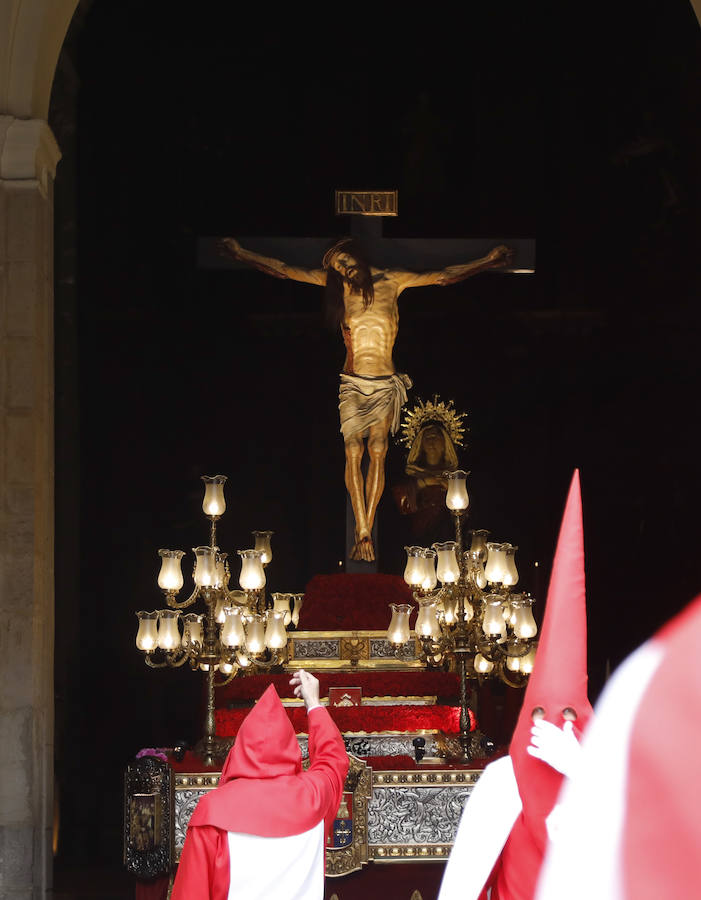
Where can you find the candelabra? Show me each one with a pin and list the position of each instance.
(474, 618)
(239, 631)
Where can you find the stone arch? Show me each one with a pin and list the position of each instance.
(31, 35)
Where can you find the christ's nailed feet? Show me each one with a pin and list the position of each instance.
(363, 549)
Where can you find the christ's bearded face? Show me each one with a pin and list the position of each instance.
(352, 270)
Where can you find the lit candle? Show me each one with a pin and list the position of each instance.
(495, 569)
(398, 631)
(427, 621)
(263, 544)
(255, 634)
(213, 503)
(510, 571)
(429, 580)
(447, 564)
(252, 577)
(456, 498)
(147, 634)
(413, 572)
(493, 623)
(275, 634)
(168, 634)
(482, 665)
(232, 634)
(205, 566)
(170, 578)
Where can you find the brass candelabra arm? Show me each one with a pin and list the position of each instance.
(512, 679)
(183, 604)
(269, 659)
(227, 679)
(255, 601)
(433, 650)
(173, 659)
(235, 597)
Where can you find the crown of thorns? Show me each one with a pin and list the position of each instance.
(436, 412)
(332, 251)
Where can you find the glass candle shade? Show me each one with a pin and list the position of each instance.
(479, 542)
(482, 665)
(252, 577)
(526, 662)
(282, 603)
(510, 571)
(205, 566)
(450, 605)
(513, 663)
(147, 634)
(398, 631)
(456, 498)
(275, 634)
(192, 629)
(170, 578)
(413, 571)
(219, 607)
(493, 623)
(495, 569)
(226, 667)
(521, 619)
(262, 543)
(468, 611)
(447, 569)
(232, 633)
(255, 634)
(429, 579)
(298, 601)
(168, 634)
(220, 569)
(213, 503)
(243, 660)
(427, 620)
(475, 566)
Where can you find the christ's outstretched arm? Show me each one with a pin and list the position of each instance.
(274, 267)
(497, 258)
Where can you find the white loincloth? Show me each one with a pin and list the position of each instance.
(365, 400)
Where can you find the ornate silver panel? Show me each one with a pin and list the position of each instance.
(185, 803)
(415, 814)
(384, 649)
(386, 744)
(311, 649)
(397, 744)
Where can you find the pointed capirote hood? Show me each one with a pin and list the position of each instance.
(558, 683)
(266, 745)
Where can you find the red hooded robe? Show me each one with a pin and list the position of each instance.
(263, 793)
(503, 824)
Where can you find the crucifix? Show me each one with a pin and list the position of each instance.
(361, 299)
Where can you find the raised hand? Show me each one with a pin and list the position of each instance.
(306, 686)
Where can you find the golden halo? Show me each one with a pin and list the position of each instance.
(438, 412)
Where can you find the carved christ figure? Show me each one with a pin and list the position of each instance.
(362, 300)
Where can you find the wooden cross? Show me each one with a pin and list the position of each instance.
(367, 210)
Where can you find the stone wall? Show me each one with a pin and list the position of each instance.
(28, 156)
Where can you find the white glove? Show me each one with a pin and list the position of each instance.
(558, 747)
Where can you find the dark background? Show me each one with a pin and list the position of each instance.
(581, 132)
